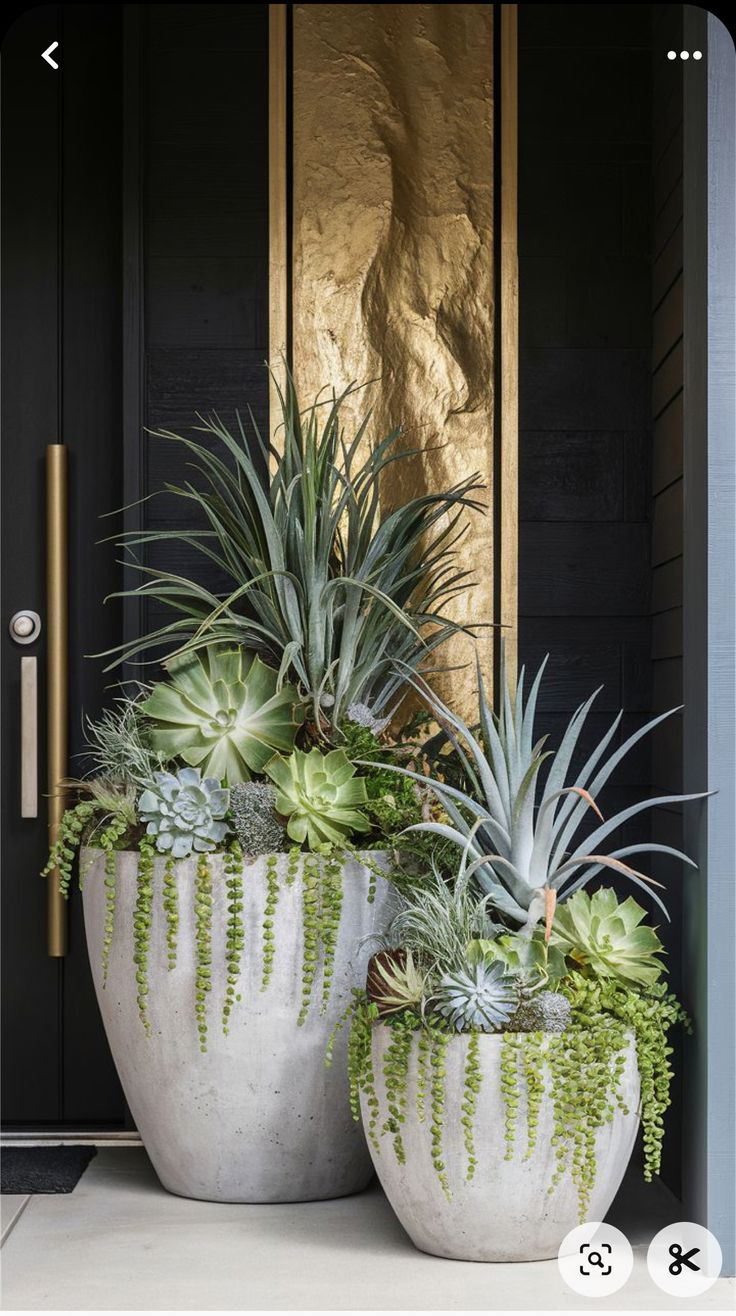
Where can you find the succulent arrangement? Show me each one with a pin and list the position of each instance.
(336, 594)
(268, 731)
(272, 733)
(498, 934)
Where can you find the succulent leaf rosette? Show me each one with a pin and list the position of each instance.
(608, 938)
(185, 813)
(479, 995)
(320, 795)
(221, 711)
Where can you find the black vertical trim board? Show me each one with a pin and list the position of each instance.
(196, 274)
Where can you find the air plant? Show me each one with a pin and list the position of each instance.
(441, 918)
(527, 854)
(319, 579)
(222, 711)
(395, 982)
(117, 746)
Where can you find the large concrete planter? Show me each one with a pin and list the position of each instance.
(257, 1117)
(505, 1213)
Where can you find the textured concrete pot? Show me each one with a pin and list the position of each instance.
(257, 1117)
(505, 1213)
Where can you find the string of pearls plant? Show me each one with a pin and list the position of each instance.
(580, 1070)
(245, 794)
(322, 877)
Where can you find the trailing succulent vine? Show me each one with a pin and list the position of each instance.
(331, 911)
(203, 932)
(235, 930)
(142, 918)
(63, 853)
(272, 900)
(579, 1069)
(471, 1087)
(312, 921)
(171, 909)
(110, 893)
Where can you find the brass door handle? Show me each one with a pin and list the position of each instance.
(28, 738)
(57, 630)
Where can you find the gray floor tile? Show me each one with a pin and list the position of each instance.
(119, 1241)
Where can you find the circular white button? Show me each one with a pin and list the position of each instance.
(595, 1259)
(23, 625)
(672, 54)
(697, 54)
(684, 54)
(684, 1259)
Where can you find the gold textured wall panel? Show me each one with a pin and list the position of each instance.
(393, 255)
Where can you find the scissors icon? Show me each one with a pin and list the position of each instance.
(682, 1259)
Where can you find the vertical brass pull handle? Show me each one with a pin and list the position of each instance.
(57, 598)
(28, 738)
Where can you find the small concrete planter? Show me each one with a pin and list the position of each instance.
(258, 1117)
(505, 1213)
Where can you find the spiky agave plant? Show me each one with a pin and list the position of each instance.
(525, 854)
(320, 580)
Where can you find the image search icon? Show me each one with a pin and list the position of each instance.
(595, 1259)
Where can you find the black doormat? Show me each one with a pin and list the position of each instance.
(43, 1169)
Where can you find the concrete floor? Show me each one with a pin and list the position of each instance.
(119, 1241)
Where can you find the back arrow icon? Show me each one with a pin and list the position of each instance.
(47, 55)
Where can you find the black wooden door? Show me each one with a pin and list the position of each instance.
(61, 382)
(134, 293)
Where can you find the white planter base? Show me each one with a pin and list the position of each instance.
(505, 1213)
(258, 1117)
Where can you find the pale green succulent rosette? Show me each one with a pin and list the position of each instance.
(222, 711)
(606, 938)
(185, 813)
(319, 794)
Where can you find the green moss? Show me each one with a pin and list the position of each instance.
(392, 803)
